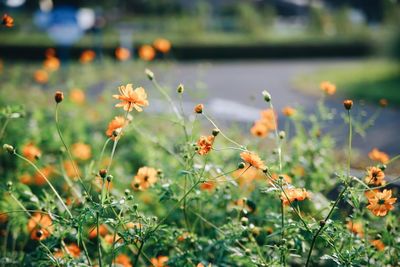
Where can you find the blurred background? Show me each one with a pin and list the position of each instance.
(224, 51)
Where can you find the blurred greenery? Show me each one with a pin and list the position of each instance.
(370, 80)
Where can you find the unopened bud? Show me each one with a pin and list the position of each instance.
(199, 108)
(9, 148)
(241, 165)
(109, 178)
(103, 173)
(348, 104)
(149, 74)
(180, 89)
(267, 96)
(215, 132)
(58, 96)
(282, 134)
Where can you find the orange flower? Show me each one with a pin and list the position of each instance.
(131, 98)
(162, 45)
(205, 144)
(31, 152)
(259, 129)
(122, 53)
(51, 64)
(87, 56)
(40, 226)
(160, 261)
(147, 52)
(328, 88)
(25, 179)
(288, 111)
(115, 126)
(81, 151)
(70, 169)
(294, 194)
(269, 118)
(39, 179)
(377, 155)
(209, 186)
(375, 176)
(77, 96)
(41, 76)
(123, 260)
(7, 21)
(109, 238)
(73, 250)
(356, 228)
(253, 159)
(381, 202)
(102, 231)
(378, 244)
(144, 178)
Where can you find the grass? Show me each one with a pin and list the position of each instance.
(369, 80)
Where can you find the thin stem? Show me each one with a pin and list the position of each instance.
(162, 91)
(174, 207)
(68, 151)
(226, 137)
(3, 128)
(47, 180)
(98, 240)
(138, 253)
(323, 223)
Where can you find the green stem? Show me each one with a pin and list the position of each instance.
(138, 253)
(68, 151)
(48, 182)
(323, 223)
(98, 240)
(3, 128)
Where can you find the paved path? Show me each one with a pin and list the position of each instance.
(232, 91)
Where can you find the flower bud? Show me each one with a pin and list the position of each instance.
(127, 192)
(109, 178)
(149, 74)
(10, 149)
(180, 88)
(199, 108)
(58, 96)
(103, 173)
(347, 104)
(215, 132)
(282, 134)
(267, 96)
(241, 165)
(9, 185)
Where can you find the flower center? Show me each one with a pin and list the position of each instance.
(381, 201)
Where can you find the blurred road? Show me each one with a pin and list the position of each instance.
(231, 91)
